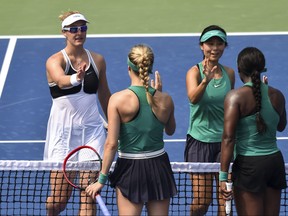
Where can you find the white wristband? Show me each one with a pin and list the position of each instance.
(73, 80)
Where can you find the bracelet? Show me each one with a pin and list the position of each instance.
(73, 80)
(223, 176)
(102, 178)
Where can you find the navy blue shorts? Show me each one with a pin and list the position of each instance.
(197, 151)
(255, 173)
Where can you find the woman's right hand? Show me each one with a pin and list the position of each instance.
(227, 194)
(81, 72)
(94, 189)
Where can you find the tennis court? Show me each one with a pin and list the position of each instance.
(114, 27)
(25, 103)
(25, 99)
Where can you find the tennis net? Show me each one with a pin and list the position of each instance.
(25, 187)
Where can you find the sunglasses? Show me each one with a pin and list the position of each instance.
(76, 29)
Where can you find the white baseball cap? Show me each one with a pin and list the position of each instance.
(73, 18)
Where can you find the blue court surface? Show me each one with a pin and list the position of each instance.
(25, 100)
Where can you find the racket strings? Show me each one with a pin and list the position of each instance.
(82, 157)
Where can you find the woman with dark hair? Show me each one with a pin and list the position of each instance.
(207, 84)
(252, 116)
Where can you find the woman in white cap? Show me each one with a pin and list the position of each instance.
(207, 84)
(75, 77)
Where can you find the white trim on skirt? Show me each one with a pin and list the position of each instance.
(142, 155)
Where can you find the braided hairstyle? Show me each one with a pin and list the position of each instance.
(142, 57)
(251, 62)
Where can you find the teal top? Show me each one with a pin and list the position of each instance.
(144, 133)
(207, 116)
(248, 141)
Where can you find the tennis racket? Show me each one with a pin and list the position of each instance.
(228, 203)
(90, 158)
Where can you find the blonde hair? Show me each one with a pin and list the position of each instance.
(142, 57)
(64, 15)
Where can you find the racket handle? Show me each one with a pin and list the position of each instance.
(228, 203)
(102, 205)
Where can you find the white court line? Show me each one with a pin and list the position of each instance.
(145, 35)
(6, 63)
(43, 141)
(21, 141)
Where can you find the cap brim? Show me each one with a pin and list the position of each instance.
(72, 19)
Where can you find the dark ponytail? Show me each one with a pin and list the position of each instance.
(251, 62)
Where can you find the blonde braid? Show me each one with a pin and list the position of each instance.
(144, 75)
(142, 56)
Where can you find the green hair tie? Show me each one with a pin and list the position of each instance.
(213, 33)
(135, 67)
(132, 66)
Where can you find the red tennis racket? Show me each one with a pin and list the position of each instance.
(88, 157)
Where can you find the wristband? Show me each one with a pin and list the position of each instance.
(102, 178)
(223, 176)
(73, 80)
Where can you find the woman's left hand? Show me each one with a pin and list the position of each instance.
(265, 79)
(157, 84)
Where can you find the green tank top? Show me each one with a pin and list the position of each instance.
(207, 116)
(144, 133)
(248, 141)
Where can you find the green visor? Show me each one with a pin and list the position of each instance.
(213, 33)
